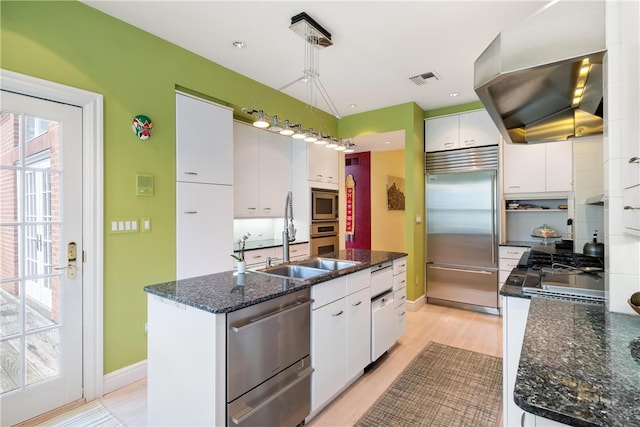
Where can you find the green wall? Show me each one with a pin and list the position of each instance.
(137, 73)
(410, 118)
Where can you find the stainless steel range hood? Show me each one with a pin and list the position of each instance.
(526, 78)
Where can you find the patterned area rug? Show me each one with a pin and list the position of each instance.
(442, 386)
(93, 414)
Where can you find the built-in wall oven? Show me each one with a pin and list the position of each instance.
(324, 237)
(324, 205)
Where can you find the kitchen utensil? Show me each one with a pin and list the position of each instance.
(634, 302)
(557, 265)
(594, 248)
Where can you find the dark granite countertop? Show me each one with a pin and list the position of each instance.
(577, 365)
(228, 291)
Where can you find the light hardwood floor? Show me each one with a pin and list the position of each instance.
(458, 328)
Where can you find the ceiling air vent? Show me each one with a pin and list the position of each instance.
(421, 79)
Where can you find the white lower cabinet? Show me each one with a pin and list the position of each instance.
(358, 336)
(340, 335)
(328, 350)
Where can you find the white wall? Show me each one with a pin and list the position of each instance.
(587, 182)
(622, 112)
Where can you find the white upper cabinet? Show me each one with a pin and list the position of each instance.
(538, 168)
(322, 164)
(473, 129)
(203, 154)
(262, 172)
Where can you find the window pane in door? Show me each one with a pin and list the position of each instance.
(43, 359)
(10, 368)
(10, 303)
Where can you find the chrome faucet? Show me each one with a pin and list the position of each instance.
(289, 232)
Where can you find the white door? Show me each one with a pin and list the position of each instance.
(41, 257)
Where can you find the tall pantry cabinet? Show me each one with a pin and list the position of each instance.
(204, 187)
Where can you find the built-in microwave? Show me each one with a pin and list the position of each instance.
(324, 205)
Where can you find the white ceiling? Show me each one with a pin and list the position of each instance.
(378, 45)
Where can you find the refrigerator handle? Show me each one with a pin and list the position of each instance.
(494, 202)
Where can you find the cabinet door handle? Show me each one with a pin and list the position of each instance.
(634, 159)
(631, 208)
(448, 144)
(469, 142)
(338, 313)
(356, 304)
(191, 212)
(191, 173)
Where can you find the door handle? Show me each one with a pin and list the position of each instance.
(462, 270)
(71, 267)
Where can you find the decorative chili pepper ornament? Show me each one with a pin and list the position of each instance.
(142, 126)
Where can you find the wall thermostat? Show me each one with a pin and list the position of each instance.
(144, 185)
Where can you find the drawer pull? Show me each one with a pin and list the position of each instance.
(634, 159)
(356, 304)
(191, 212)
(191, 173)
(338, 313)
(631, 208)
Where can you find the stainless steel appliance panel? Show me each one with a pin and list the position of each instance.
(266, 338)
(324, 205)
(461, 218)
(324, 245)
(284, 400)
(463, 285)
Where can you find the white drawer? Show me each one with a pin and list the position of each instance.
(326, 292)
(507, 264)
(399, 265)
(358, 281)
(514, 252)
(400, 297)
(399, 281)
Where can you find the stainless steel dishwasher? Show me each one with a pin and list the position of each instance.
(268, 362)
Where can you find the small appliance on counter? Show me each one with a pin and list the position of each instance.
(594, 248)
(545, 232)
(567, 242)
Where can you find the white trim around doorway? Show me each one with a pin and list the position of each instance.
(92, 206)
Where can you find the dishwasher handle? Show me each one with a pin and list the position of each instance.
(238, 326)
(248, 412)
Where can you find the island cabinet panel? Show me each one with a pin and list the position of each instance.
(358, 332)
(328, 349)
(185, 346)
(340, 335)
(514, 322)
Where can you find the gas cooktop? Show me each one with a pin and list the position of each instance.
(563, 275)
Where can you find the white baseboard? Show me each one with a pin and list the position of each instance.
(123, 377)
(415, 305)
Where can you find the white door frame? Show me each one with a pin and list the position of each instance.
(92, 210)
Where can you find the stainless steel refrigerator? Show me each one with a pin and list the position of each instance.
(461, 228)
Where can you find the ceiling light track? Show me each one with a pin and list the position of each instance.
(316, 37)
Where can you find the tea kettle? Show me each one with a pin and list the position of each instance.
(594, 248)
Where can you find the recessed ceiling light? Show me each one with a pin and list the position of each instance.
(387, 142)
(352, 105)
(238, 44)
(454, 94)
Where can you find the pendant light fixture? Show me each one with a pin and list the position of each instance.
(261, 122)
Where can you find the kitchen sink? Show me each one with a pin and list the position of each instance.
(307, 269)
(288, 271)
(327, 263)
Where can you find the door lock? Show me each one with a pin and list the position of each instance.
(71, 267)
